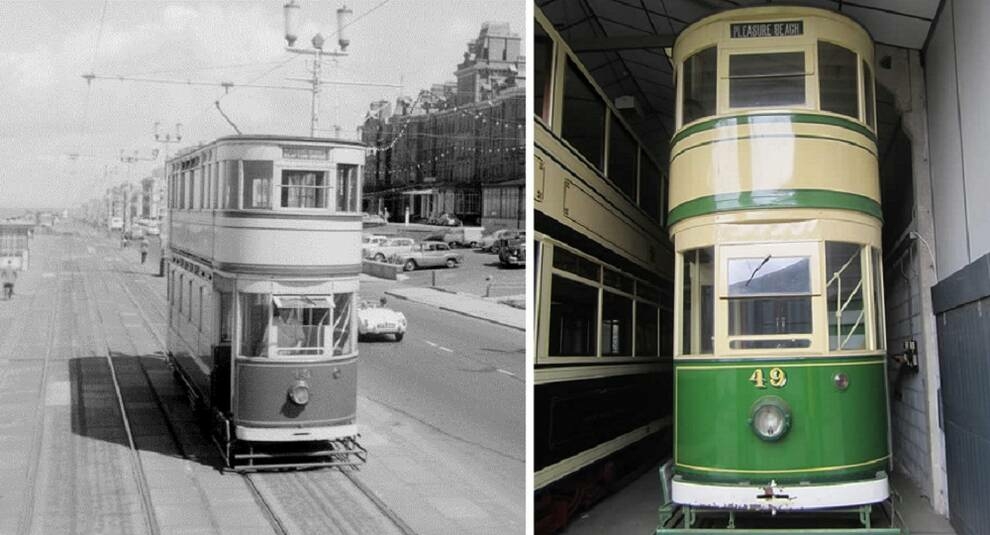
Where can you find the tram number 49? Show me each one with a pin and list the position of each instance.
(777, 378)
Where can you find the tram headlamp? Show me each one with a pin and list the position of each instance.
(299, 393)
(770, 418)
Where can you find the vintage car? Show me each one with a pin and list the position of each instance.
(513, 237)
(375, 319)
(390, 247)
(371, 240)
(513, 255)
(491, 242)
(427, 254)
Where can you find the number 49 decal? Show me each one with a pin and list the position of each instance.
(777, 378)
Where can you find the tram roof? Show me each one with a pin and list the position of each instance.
(622, 43)
(269, 138)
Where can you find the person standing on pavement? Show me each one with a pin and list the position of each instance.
(8, 275)
(144, 249)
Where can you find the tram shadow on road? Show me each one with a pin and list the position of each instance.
(159, 417)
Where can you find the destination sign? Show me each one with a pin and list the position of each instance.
(787, 28)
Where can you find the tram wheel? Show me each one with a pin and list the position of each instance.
(409, 265)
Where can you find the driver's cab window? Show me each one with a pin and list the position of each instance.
(766, 295)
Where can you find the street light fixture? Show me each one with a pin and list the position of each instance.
(291, 11)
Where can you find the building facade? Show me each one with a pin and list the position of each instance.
(441, 152)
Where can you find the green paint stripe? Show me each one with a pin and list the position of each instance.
(744, 362)
(772, 118)
(773, 136)
(778, 198)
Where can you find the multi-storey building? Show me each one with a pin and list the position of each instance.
(458, 148)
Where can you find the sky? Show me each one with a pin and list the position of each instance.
(61, 139)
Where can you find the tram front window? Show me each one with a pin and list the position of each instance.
(769, 296)
(285, 326)
(766, 80)
(300, 324)
(304, 189)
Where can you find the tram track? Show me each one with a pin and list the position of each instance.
(25, 520)
(254, 482)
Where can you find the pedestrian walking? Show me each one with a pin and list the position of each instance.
(144, 249)
(8, 275)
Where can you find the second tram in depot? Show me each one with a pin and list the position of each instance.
(779, 362)
(264, 259)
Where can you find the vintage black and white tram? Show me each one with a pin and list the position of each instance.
(264, 259)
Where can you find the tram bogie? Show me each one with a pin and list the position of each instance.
(780, 370)
(264, 265)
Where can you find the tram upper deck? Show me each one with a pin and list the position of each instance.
(261, 204)
(775, 109)
(14, 244)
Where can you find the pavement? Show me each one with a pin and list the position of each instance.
(634, 510)
(464, 304)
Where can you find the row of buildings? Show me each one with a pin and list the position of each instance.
(459, 147)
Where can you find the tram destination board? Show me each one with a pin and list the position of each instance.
(745, 30)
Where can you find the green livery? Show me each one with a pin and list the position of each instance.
(834, 435)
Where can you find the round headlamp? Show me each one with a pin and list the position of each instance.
(299, 393)
(771, 418)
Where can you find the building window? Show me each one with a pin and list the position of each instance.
(583, 116)
(303, 189)
(766, 80)
(699, 76)
(837, 79)
(257, 183)
(348, 193)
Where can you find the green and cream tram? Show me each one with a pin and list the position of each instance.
(774, 210)
(264, 261)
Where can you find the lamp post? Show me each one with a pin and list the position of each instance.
(165, 222)
(291, 10)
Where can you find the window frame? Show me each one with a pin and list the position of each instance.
(860, 100)
(724, 80)
(271, 351)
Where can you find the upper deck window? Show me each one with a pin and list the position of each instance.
(765, 80)
(868, 92)
(699, 74)
(543, 52)
(348, 192)
(257, 183)
(303, 189)
(622, 153)
(583, 116)
(650, 187)
(837, 79)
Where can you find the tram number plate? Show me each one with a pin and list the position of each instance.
(777, 378)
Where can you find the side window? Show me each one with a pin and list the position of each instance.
(837, 80)
(622, 153)
(766, 80)
(542, 69)
(583, 116)
(649, 187)
(348, 196)
(257, 183)
(698, 301)
(699, 75)
(845, 296)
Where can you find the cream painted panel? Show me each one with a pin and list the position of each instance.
(193, 232)
(248, 151)
(774, 163)
(593, 217)
(288, 247)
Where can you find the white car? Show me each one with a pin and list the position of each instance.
(371, 240)
(375, 319)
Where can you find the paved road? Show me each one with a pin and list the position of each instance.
(471, 276)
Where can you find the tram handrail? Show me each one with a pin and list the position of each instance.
(841, 306)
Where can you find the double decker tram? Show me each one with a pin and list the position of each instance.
(264, 260)
(780, 373)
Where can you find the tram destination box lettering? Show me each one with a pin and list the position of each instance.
(746, 30)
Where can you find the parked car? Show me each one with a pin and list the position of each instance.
(513, 255)
(371, 240)
(488, 240)
(427, 254)
(510, 237)
(376, 319)
(445, 220)
(391, 246)
(151, 229)
(463, 237)
(372, 220)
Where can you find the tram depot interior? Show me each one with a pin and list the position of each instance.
(931, 129)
